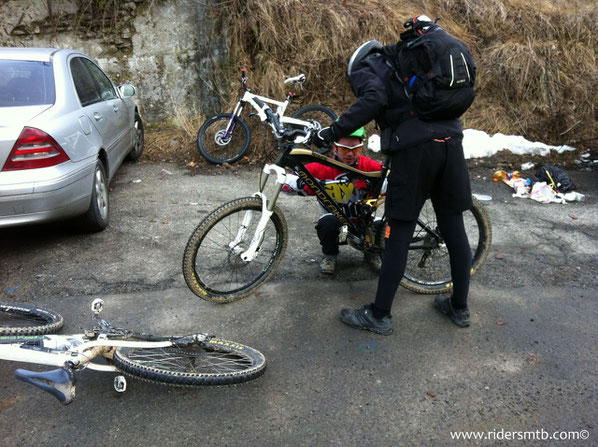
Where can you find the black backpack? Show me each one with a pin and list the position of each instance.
(436, 70)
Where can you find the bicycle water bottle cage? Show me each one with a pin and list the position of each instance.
(60, 383)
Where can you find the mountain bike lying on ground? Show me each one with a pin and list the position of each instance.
(225, 137)
(192, 360)
(239, 246)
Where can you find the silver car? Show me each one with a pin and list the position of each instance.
(64, 131)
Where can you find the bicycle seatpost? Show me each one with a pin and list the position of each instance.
(244, 79)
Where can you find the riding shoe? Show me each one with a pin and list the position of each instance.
(328, 264)
(460, 317)
(364, 319)
(374, 260)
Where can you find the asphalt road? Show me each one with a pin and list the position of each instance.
(528, 363)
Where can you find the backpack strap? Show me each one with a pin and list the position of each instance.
(405, 110)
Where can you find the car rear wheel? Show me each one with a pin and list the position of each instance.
(137, 148)
(98, 214)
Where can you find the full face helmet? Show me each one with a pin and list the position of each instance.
(360, 53)
(364, 50)
(416, 26)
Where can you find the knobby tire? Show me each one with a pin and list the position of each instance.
(214, 362)
(24, 319)
(219, 151)
(214, 271)
(429, 272)
(321, 114)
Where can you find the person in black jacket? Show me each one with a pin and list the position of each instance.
(427, 162)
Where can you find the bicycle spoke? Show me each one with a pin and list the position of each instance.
(196, 360)
(221, 265)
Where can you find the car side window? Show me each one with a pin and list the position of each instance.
(106, 88)
(87, 89)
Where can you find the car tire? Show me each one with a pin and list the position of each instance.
(137, 148)
(97, 216)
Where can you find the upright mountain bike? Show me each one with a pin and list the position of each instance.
(239, 246)
(225, 137)
(190, 360)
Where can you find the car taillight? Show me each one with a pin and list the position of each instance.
(34, 149)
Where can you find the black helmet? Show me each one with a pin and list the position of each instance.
(360, 53)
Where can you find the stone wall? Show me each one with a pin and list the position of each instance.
(174, 52)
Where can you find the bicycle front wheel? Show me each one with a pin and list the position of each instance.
(24, 319)
(212, 264)
(215, 362)
(220, 142)
(428, 268)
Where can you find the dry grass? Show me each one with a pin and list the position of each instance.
(537, 61)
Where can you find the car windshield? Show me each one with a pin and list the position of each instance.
(26, 83)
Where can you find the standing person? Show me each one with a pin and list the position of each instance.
(427, 161)
(344, 190)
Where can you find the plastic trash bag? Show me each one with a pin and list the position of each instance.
(543, 193)
(555, 177)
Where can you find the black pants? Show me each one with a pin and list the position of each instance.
(395, 259)
(328, 228)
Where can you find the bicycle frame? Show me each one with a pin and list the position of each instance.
(292, 158)
(281, 106)
(78, 349)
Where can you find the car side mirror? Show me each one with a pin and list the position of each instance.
(126, 90)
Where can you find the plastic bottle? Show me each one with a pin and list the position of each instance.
(499, 175)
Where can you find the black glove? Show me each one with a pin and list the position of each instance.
(324, 137)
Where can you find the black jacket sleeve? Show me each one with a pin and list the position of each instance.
(371, 94)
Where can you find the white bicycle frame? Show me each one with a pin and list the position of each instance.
(281, 106)
(77, 349)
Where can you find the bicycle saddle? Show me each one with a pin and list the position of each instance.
(299, 78)
(61, 382)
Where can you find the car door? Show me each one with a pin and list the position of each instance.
(102, 105)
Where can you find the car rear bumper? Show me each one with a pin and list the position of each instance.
(68, 194)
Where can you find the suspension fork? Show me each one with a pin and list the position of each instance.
(231, 122)
(267, 211)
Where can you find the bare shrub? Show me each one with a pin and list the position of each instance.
(537, 61)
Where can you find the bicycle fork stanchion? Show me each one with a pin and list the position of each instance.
(267, 211)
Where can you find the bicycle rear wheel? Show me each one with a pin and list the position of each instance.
(215, 362)
(219, 147)
(428, 265)
(24, 319)
(322, 116)
(212, 264)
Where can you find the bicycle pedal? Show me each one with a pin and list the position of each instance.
(120, 384)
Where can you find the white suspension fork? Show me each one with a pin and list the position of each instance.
(267, 211)
(256, 241)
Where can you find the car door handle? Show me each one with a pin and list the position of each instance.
(97, 116)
